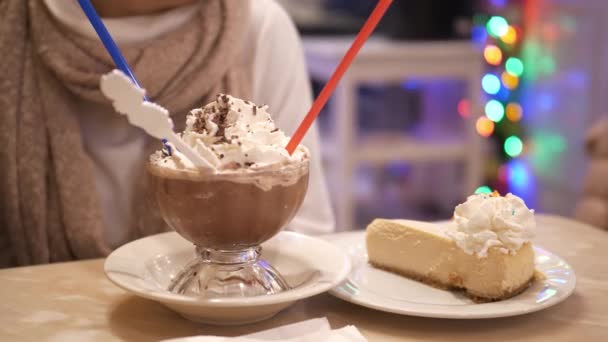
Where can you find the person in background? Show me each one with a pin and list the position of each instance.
(72, 182)
(593, 206)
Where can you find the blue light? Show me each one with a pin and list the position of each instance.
(546, 101)
(518, 174)
(490, 84)
(411, 85)
(521, 181)
(499, 3)
(479, 34)
(577, 79)
(503, 94)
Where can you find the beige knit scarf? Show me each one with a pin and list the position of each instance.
(49, 208)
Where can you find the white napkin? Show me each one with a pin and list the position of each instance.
(313, 330)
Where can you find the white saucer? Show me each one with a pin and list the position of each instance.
(146, 266)
(385, 291)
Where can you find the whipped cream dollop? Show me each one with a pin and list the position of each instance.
(232, 134)
(490, 220)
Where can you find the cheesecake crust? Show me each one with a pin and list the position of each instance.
(456, 284)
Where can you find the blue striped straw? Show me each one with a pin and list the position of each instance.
(111, 46)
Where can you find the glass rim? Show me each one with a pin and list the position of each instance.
(301, 166)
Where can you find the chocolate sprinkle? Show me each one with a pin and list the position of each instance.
(274, 130)
(248, 164)
(255, 110)
(221, 123)
(199, 124)
(221, 156)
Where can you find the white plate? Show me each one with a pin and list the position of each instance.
(146, 266)
(385, 291)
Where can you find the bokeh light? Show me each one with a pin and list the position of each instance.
(547, 65)
(490, 84)
(514, 66)
(557, 143)
(520, 179)
(497, 26)
(494, 110)
(510, 81)
(503, 95)
(484, 189)
(545, 101)
(546, 152)
(531, 51)
(550, 32)
(514, 112)
(479, 34)
(464, 108)
(484, 126)
(492, 54)
(510, 37)
(499, 3)
(502, 174)
(513, 146)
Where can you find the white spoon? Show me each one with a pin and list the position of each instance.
(128, 99)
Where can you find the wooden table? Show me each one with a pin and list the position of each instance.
(75, 301)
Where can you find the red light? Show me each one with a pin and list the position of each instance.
(464, 108)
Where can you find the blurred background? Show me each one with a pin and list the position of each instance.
(455, 97)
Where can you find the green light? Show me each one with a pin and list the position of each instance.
(513, 146)
(514, 66)
(484, 189)
(547, 65)
(547, 153)
(532, 52)
(497, 26)
(557, 143)
(494, 110)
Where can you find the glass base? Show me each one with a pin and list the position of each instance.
(228, 274)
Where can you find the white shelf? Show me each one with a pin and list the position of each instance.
(383, 149)
(414, 151)
(387, 61)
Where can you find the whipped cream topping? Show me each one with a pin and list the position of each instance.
(490, 220)
(232, 134)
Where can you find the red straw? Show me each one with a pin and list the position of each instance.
(366, 30)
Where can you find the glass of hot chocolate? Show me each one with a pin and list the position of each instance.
(227, 212)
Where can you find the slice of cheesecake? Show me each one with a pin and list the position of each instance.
(425, 252)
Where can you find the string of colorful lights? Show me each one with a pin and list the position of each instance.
(501, 43)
